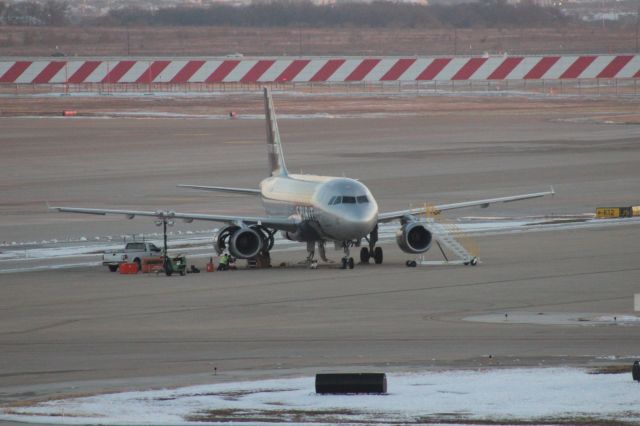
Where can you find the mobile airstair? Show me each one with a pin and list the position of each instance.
(447, 235)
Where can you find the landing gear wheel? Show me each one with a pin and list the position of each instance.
(344, 263)
(412, 263)
(350, 263)
(377, 255)
(365, 255)
(474, 261)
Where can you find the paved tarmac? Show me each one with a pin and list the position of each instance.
(86, 330)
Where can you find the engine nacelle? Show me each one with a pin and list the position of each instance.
(245, 243)
(305, 232)
(292, 236)
(222, 239)
(414, 238)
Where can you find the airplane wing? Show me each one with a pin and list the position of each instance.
(279, 223)
(389, 216)
(246, 191)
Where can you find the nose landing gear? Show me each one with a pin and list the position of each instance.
(347, 263)
(347, 260)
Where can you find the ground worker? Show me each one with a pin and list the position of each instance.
(223, 263)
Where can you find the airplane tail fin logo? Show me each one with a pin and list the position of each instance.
(274, 146)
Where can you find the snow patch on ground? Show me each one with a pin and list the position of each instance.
(442, 396)
(617, 318)
(556, 318)
(199, 240)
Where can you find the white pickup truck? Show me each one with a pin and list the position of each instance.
(132, 252)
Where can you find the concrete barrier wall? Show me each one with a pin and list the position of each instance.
(315, 69)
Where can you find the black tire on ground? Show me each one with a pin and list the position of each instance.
(413, 264)
(377, 255)
(139, 263)
(168, 268)
(344, 263)
(182, 273)
(113, 268)
(350, 263)
(365, 255)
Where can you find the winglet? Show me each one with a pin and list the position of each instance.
(274, 145)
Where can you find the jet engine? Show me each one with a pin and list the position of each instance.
(414, 238)
(292, 236)
(305, 232)
(244, 242)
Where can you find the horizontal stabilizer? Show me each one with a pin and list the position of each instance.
(246, 191)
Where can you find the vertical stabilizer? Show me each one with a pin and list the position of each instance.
(274, 146)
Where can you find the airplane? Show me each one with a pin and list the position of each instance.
(311, 209)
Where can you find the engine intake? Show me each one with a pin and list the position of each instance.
(414, 238)
(243, 243)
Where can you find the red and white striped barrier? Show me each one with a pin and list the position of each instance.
(308, 70)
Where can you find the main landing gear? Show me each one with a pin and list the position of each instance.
(366, 254)
(372, 251)
(311, 253)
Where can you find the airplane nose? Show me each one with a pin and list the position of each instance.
(361, 220)
(356, 215)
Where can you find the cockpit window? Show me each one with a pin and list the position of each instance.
(348, 199)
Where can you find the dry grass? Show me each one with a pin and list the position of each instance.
(280, 416)
(212, 41)
(341, 416)
(335, 105)
(612, 369)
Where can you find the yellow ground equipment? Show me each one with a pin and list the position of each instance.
(616, 212)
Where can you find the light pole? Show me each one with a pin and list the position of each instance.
(455, 41)
(637, 25)
(165, 219)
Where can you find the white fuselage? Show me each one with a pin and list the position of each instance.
(330, 208)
